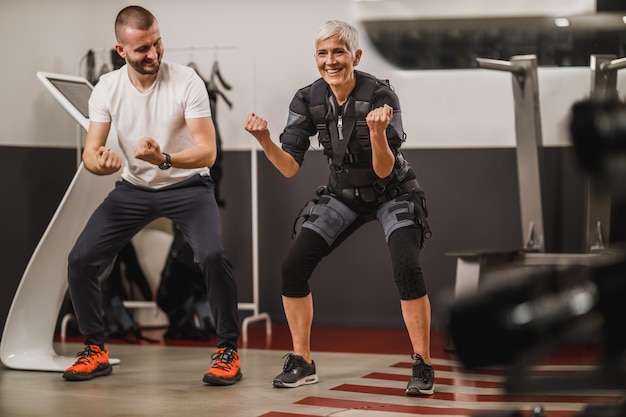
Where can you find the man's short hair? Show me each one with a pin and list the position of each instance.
(133, 16)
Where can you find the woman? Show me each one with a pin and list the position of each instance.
(357, 118)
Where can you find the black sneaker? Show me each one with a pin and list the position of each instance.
(423, 380)
(296, 372)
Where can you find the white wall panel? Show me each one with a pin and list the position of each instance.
(269, 55)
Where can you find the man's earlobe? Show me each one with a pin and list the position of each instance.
(120, 50)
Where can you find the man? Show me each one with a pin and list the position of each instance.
(162, 117)
(358, 122)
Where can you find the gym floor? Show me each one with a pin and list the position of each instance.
(362, 372)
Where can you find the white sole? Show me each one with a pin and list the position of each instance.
(311, 379)
(418, 393)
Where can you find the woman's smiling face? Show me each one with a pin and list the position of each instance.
(335, 62)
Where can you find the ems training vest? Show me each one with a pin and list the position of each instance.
(345, 138)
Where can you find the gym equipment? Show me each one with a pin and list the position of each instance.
(524, 315)
(529, 142)
(27, 340)
(472, 264)
(598, 201)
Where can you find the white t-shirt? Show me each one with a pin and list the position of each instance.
(177, 94)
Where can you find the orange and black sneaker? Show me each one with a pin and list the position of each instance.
(225, 370)
(92, 362)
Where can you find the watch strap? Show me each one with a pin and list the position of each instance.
(168, 161)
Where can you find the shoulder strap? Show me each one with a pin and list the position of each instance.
(323, 116)
(364, 103)
(317, 103)
(364, 93)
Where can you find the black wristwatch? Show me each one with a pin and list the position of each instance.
(168, 162)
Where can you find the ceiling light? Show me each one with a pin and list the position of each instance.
(561, 22)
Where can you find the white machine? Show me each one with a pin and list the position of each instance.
(27, 340)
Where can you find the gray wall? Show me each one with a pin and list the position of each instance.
(472, 195)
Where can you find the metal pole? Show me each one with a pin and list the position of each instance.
(529, 141)
(598, 199)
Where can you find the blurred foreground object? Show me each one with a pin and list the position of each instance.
(598, 132)
(522, 315)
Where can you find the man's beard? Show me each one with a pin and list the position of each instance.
(144, 69)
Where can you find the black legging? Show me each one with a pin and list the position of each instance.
(309, 249)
